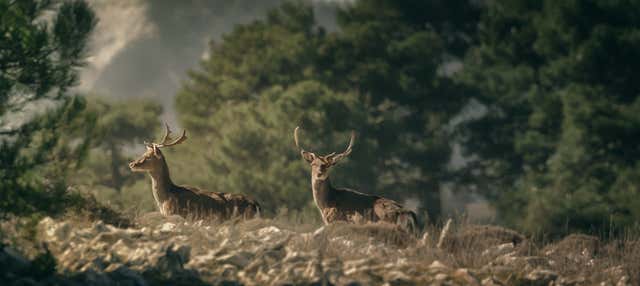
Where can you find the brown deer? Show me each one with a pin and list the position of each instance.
(341, 204)
(188, 202)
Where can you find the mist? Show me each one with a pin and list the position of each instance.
(144, 48)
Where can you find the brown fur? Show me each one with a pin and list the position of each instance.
(355, 207)
(189, 202)
(337, 204)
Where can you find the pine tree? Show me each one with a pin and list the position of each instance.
(379, 75)
(39, 57)
(557, 146)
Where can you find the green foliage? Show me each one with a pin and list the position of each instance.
(39, 57)
(116, 137)
(379, 76)
(38, 60)
(256, 154)
(35, 162)
(555, 150)
(557, 146)
(119, 125)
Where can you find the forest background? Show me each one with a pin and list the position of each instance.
(531, 106)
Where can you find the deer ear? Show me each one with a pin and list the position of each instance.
(308, 156)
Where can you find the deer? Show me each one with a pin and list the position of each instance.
(347, 205)
(188, 202)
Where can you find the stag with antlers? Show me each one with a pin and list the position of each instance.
(341, 204)
(188, 202)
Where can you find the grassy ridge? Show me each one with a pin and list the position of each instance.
(156, 249)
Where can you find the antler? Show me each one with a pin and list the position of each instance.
(333, 156)
(295, 138)
(346, 152)
(167, 136)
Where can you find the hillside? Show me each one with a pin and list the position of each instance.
(157, 250)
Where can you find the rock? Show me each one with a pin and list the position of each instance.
(54, 230)
(167, 227)
(490, 281)
(172, 251)
(508, 259)
(239, 259)
(441, 277)
(541, 277)
(395, 277)
(353, 266)
(465, 276)
(497, 250)
(438, 266)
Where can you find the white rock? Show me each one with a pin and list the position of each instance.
(499, 249)
(441, 277)
(542, 276)
(240, 259)
(167, 227)
(437, 265)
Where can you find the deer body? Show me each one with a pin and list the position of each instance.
(341, 204)
(189, 202)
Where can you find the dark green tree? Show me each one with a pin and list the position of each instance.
(380, 75)
(118, 125)
(394, 54)
(39, 56)
(556, 149)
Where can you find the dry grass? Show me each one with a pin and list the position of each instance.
(578, 258)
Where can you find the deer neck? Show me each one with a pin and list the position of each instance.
(321, 191)
(161, 185)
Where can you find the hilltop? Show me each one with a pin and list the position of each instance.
(158, 250)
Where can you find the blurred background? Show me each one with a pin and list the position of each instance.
(517, 113)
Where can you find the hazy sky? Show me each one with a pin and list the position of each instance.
(143, 48)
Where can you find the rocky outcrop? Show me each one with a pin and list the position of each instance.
(169, 250)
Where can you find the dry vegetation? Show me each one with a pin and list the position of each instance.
(277, 251)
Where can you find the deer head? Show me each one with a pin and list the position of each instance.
(320, 165)
(152, 159)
